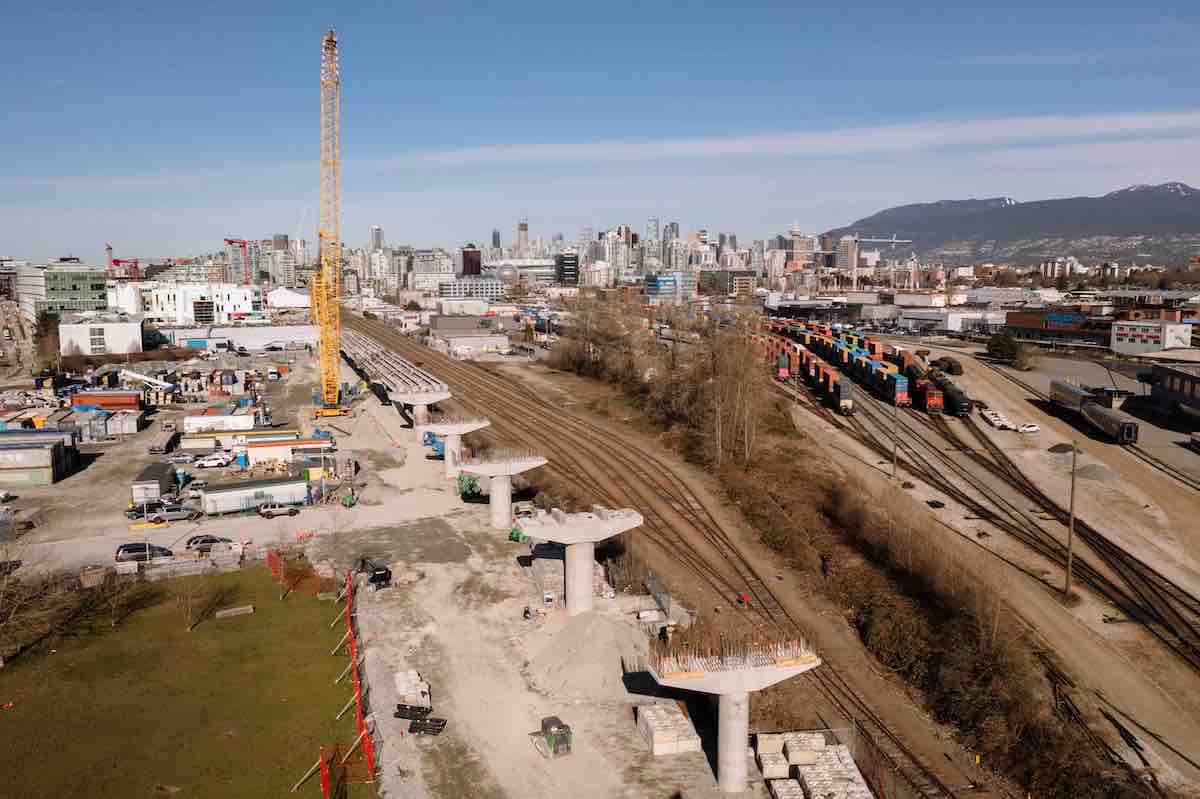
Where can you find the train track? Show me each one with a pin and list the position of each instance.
(1135, 450)
(674, 517)
(1163, 607)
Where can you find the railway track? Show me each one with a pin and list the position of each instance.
(1162, 606)
(675, 516)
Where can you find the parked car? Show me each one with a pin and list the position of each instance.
(204, 543)
(216, 460)
(142, 510)
(141, 552)
(181, 457)
(195, 489)
(176, 513)
(1029, 428)
(272, 509)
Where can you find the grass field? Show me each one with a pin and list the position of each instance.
(237, 707)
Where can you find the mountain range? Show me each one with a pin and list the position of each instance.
(1147, 224)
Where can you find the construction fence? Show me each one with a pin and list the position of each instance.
(358, 763)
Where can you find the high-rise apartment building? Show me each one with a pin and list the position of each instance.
(472, 261)
(495, 239)
(376, 238)
(566, 268)
(280, 242)
(523, 239)
(671, 231)
(652, 231)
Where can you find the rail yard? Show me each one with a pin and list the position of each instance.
(872, 401)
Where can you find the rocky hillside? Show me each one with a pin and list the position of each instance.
(1159, 224)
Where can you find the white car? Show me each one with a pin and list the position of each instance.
(1029, 428)
(213, 461)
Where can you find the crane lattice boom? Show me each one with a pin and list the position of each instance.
(326, 286)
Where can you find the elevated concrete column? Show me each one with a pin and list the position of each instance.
(420, 415)
(733, 733)
(580, 567)
(500, 501)
(453, 449)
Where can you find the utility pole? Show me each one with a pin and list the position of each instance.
(895, 439)
(1071, 520)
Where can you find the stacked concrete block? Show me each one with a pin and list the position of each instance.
(412, 690)
(834, 775)
(786, 789)
(768, 743)
(773, 766)
(803, 748)
(667, 730)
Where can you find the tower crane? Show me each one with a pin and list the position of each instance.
(247, 276)
(326, 283)
(894, 240)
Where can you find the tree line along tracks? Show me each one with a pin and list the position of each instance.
(675, 517)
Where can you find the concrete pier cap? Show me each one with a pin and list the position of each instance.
(579, 532)
(419, 401)
(731, 676)
(452, 431)
(500, 468)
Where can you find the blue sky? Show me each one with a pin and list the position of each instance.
(165, 126)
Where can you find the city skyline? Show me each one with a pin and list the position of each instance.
(879, 123)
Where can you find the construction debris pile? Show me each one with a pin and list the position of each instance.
(585, 659)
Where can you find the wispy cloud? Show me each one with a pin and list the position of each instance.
(929, 135)
(1070, 56)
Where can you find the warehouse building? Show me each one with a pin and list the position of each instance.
(238, 497)
(1176, 389)
(1067, 326)
(32, 463)
(1138, 337)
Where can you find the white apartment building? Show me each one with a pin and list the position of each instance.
(100, 333)
(475, 288)
(184, 303)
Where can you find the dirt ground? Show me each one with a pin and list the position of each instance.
(1121, 663)
(795, 702)
(456, 615)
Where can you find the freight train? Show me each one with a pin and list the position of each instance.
(894, 373)
(793, 360)
(1093, 407)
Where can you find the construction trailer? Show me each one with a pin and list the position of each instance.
(249, 495)
(152, 482)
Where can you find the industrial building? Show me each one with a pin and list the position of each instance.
(257, 337)
(1068, 326)
(100, 333)
(1176, 389)
(955, 321)
(248, 495)
(1142, 336)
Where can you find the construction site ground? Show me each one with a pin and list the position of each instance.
(794, 704)
(1120, 668)
(455, 614)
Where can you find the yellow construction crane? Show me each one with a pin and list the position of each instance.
(327, 282)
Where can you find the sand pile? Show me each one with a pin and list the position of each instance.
(584, 659)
